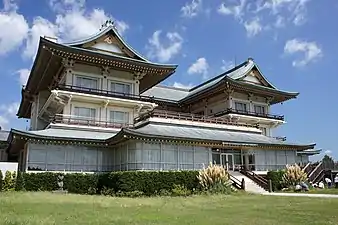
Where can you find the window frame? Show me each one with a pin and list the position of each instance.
(76, 76)
(244, 103)
(111, 82)
(126, 115)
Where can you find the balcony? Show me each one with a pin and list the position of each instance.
(188, 117)
(247, 113)
(107, 93)
(85, 121)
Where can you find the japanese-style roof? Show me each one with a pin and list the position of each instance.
(194, 133)
(109, 29)
(64, 134)
(3, 135)
(160, 131)
(165, 92)
(310, 152)
(234, 76)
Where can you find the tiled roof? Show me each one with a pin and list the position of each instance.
(204, 134)
(164, 92)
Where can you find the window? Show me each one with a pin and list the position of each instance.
(85, 112)
(86, 83)
(120, 88)
(242, 107)
(260, 109)
(119, 117)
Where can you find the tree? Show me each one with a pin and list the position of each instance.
(328, 162)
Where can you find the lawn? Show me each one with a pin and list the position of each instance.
(48, 208)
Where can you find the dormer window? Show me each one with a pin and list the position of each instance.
(241, 107)
(122, 88)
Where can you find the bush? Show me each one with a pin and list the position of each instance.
(81, 183)
(19, 184)
(9, 181)
(44, 181)
(180, 190)
(214, 178)
(1, 180)
(294, 175)
(276, 178)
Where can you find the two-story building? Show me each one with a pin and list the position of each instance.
(96, 105)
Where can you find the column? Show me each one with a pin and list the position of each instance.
(246, 161)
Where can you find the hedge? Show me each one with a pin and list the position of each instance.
(148, 183)
(276, 178)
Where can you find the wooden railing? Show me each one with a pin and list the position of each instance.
(188, 117)
(239, 184)
(307, 168)
(85, 121)
(248, 113)
(262, 182)
(316, 172)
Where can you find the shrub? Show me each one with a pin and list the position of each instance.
(213, 178)
(44, 181)
(1, 180)
(276, 178)
(19, 184)
(81, 183)
(179, 190)
(294, 175)
(9, 182)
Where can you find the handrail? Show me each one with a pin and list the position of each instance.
(316, 171)
(256, 178)
(108, 93)
(236, 183)
(190, 117)
(249, 113)
(307, 168)
(78, 120)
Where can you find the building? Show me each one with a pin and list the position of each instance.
(3, 145)
(96, 105)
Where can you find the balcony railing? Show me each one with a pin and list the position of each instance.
(188, 117)
(85, 121)
(107, 93)
(248, 113)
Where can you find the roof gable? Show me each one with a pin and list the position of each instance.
(108, 41)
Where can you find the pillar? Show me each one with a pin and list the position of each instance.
(246, 161)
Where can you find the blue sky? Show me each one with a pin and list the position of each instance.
(293, 42)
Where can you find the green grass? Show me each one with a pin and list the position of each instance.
(331, 191)
(48, 208)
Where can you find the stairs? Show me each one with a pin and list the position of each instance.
(250, 185)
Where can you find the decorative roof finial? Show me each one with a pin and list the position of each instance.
(108, 23)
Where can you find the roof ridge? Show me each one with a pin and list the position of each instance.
(218, 76)
(172, 87)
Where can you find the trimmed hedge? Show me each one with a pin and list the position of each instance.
(146, 182)
(276, 178)
(42, 181)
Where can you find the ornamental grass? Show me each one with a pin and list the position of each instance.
(294, 175)
(213, 176)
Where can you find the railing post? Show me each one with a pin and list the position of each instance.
(243, 184)
(270, 186)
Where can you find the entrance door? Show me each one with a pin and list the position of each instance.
(227, 161)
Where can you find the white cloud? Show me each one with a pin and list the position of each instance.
(273, 13)
(253, 27)
(73, 21)
(23, 75)
(184, 86)
(236, 10)
(13, 26)
(192, 9)
(311, 51)
(227, 65)
(201, 66)
(328, 152)
(7, 111)
(164, 52)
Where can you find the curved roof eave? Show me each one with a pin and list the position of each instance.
(31, 135)
(293, 94)
(103, 32)
(53, 44)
